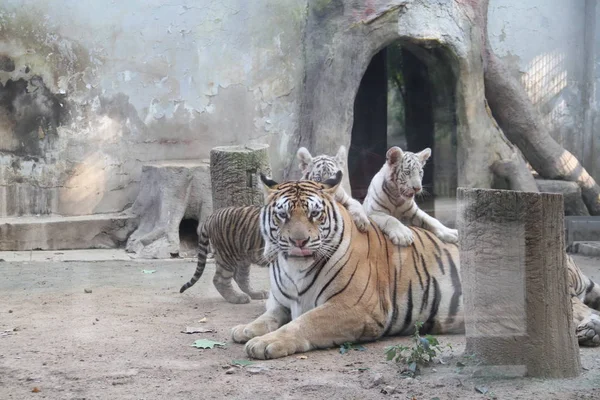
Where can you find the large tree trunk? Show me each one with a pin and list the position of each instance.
(523, 126)
(341, 41)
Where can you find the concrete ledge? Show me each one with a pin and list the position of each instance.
(98, 231)
(590, 249)
(582, 229)
(95, 255)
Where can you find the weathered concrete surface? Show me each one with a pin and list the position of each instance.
(170, 191)
(84, 103)
(571, 192)
(518, 313)
(98, 231)
(89, 92)
(543, 43)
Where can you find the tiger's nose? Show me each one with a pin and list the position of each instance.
(417, 189)
(299, 242)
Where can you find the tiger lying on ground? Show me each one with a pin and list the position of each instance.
(585, 298)
(331, 284)
(390, 198)
(234, 233)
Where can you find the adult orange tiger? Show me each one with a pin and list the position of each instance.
(332, 284)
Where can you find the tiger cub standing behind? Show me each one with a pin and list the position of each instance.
(321, 168)
(390, 198)
(234, 233)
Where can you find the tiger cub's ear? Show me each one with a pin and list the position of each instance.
(424, 155)
(269, 185)
(331, 185)
(394, 155)
(305, 159)
(341, 157)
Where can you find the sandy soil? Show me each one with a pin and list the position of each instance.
(123, 341)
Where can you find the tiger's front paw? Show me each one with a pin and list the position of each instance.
(401, 235)
(275, 345)
(447, 235)
(243, 333)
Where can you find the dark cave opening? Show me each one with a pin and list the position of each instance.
(406, 99)
(188, 237)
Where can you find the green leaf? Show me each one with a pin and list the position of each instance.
(206, 344)
(412, 367)
(243, 363)
(391, 353)
(148, 271)
(347, 346)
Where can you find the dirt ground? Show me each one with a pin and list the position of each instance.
(124, 341)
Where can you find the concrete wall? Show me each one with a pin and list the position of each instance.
(93, 89)
(543, 41)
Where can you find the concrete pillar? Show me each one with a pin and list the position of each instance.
(518, 315)
(234, 175)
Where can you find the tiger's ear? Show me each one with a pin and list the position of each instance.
(269, 185)
(331, 185)
(424, 155)
(340, 157)
(394, 155)
(304, 157)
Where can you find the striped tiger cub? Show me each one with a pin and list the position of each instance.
(234, 233)
(332, 284)
(390, 198)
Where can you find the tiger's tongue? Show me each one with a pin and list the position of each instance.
(300, 252)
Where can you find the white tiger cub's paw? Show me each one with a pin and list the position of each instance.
(588, 331)
(400, 235)
(447, 235)
(361, 220)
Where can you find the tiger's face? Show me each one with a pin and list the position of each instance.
(406, 170)
(297, 217)
(322, 167)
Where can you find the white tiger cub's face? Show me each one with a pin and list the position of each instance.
(405, 170)
(322, 167)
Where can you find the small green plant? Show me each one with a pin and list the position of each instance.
(347, 346)
(420, 354)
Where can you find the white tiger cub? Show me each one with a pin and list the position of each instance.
(390, 198)
(323, 167)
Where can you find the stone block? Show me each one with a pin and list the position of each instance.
(517, 306)
(170, 191)
(98, 231)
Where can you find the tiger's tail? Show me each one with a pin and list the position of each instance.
(204, 247)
